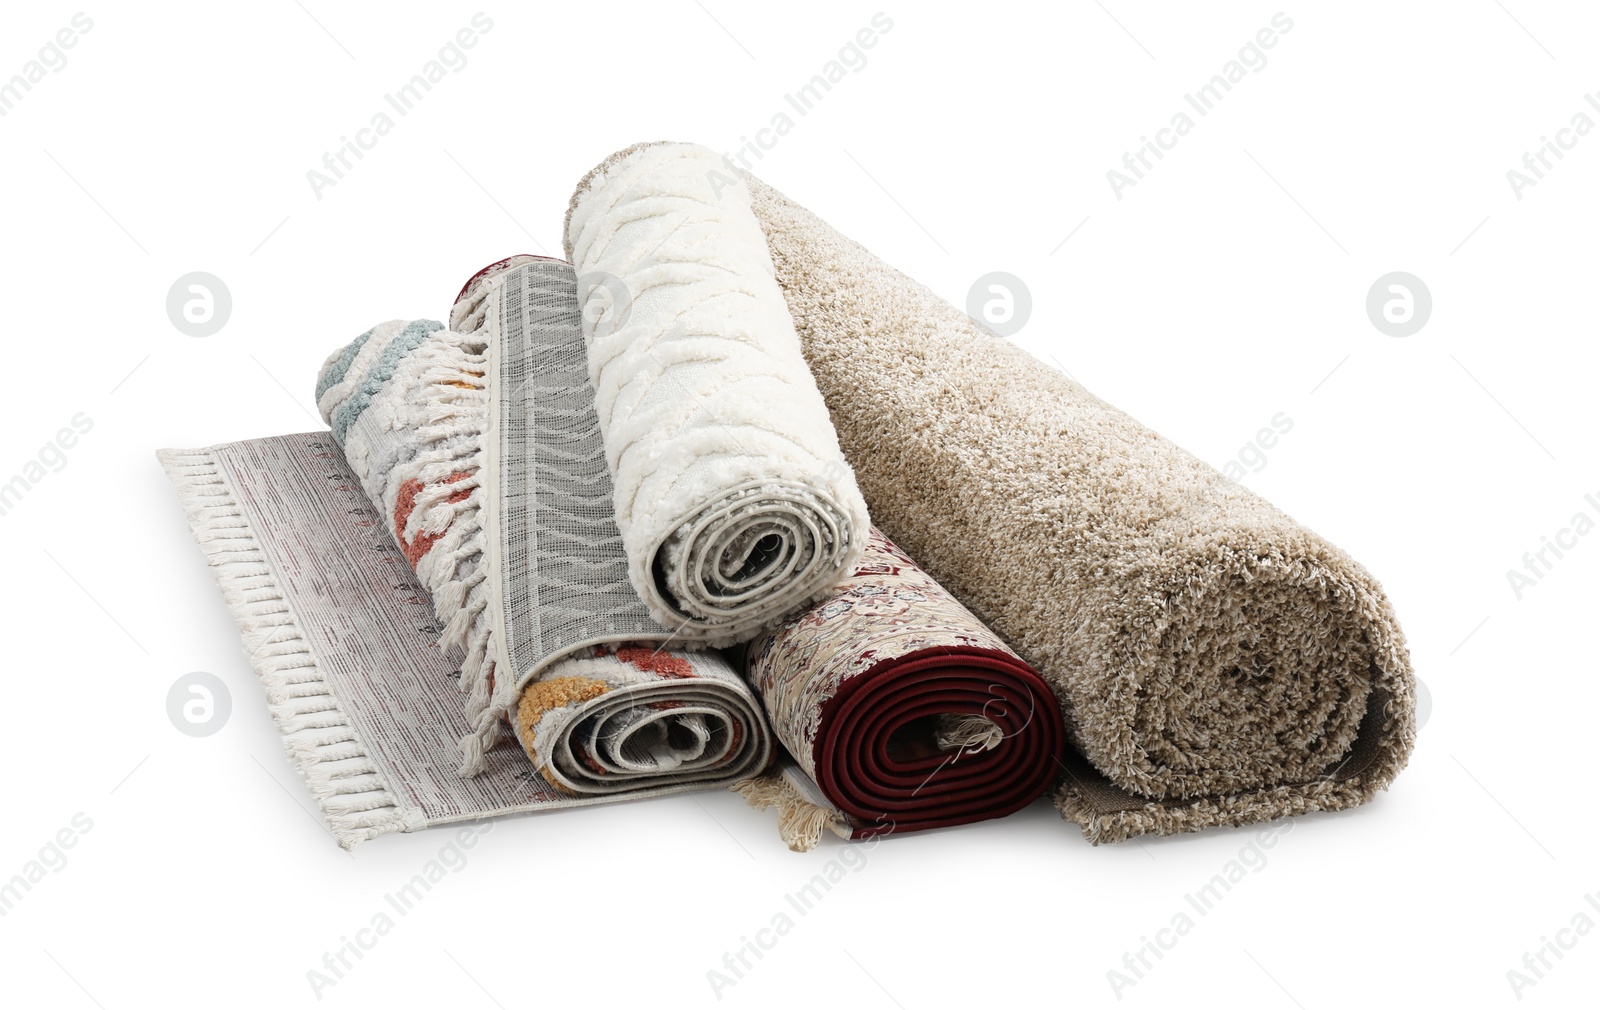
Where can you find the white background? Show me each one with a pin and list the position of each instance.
(1226, 287)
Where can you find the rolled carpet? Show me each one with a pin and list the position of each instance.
(1216, 662)
(902, 711)
(735, 506)
(481, 451)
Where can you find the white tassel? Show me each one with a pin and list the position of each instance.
(320, 738)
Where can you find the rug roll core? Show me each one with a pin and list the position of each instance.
(881, 761)
(591, 732)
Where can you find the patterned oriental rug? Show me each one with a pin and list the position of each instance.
(901, 709)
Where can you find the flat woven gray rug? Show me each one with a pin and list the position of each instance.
(343, 637)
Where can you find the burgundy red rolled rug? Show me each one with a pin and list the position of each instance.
(901, 709)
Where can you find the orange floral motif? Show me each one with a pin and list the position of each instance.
(543, 696)
(662, 664)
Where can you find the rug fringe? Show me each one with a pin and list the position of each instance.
(971, 734)
(800, 821)
(451, 421)
(321, 740)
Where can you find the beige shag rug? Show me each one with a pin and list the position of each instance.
(1216, 662)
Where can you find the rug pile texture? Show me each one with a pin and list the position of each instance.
(735, 505)
(1216, 662)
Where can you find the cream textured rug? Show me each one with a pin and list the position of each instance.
(1216, 662)
(734, 503)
